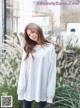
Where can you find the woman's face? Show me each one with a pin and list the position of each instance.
(32, 35)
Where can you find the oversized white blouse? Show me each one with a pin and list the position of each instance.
(37, 78)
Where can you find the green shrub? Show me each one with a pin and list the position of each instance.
(9, 90)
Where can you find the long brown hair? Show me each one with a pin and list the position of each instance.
(30, 44)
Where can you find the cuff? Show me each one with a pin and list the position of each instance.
(49, 100)
(20, 95)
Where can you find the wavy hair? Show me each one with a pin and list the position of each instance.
(30, 44)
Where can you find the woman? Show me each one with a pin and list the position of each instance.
(37, 79)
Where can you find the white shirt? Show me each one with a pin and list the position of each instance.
(37, 79)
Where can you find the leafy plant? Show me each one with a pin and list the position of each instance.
(68, 78)
(68, 96)
(9, 69)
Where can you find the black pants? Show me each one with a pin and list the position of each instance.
(27, 104)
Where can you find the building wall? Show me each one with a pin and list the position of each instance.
(1, 32)
(70, 13)
(45, 13)
(12, 15)
(0, 21)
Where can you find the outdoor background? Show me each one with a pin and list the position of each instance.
(56, 18)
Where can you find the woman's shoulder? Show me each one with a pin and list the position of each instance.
(50, 45)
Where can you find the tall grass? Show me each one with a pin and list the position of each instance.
(68, 78)
(10, 67)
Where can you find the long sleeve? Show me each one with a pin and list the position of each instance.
(51, 76)
(22, 78)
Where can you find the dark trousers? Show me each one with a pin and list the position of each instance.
(27, 104)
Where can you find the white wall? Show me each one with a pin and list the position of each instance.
(56, 11)
(25, 14)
